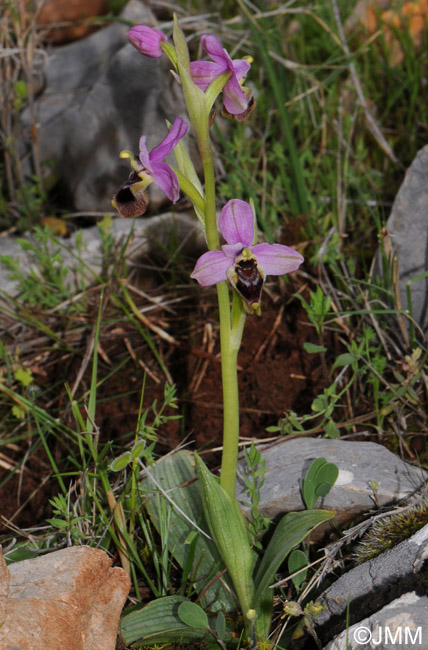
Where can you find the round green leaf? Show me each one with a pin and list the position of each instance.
(297, 560)
(328, 473)
(193, 615)
(322, 489)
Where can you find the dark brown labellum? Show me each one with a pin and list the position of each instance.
(131, 200)
(249, 281)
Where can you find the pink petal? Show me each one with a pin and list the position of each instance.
(232, 250)
(236, 223)
(235, 101)
(203, 72)
(144, 154)
(212, 46)
(211, 268)
(147, 40)
(276, 259)
(178, 131)
(166, 180)
(241, 67)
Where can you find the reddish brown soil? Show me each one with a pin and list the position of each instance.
(275, 375)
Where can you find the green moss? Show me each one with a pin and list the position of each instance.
(389, 532)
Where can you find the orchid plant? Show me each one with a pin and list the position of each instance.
(239, 262)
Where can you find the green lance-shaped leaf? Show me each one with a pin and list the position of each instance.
(228, 530)
(220, 625)
(215, 88)
(187, 168)
(291, 530)
(159, 622)
(122, 461)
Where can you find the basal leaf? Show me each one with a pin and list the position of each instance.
(193, 615)
(291, 530)
(158, 622)
(228, 530)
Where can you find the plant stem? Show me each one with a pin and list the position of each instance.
(210, 203)
(230, 341)
(230, 335)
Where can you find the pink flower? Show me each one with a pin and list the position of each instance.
(131, 199)
(153, 162)
(244, 265)
(203, 73)
(147, 40)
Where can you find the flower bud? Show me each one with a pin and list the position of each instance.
(147, 40)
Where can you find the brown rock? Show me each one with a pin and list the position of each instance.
(69, 20)
(70, 599)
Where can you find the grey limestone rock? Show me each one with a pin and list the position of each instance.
(100, 95)
(402, 624)
(407, 228)
(360, 464)
(82, 252)
(367, 587)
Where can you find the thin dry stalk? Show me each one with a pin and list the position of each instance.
(19, 47)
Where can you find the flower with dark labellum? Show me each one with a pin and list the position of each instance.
(132, 199)
(245, 265)
(247, 279)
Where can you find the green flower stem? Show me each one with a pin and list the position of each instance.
(230, 332)
(210, 202)
(230, 342)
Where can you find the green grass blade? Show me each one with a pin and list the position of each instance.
(93, 389)
(172, 473)
(276, 74)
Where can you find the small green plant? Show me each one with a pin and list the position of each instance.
(253, 479)
(66, 521)
(317, 309)
(317, 483)
(195, 617)
(297, 563)
(319, 479)
(307, 616)
(44, 284)
(323, 408)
